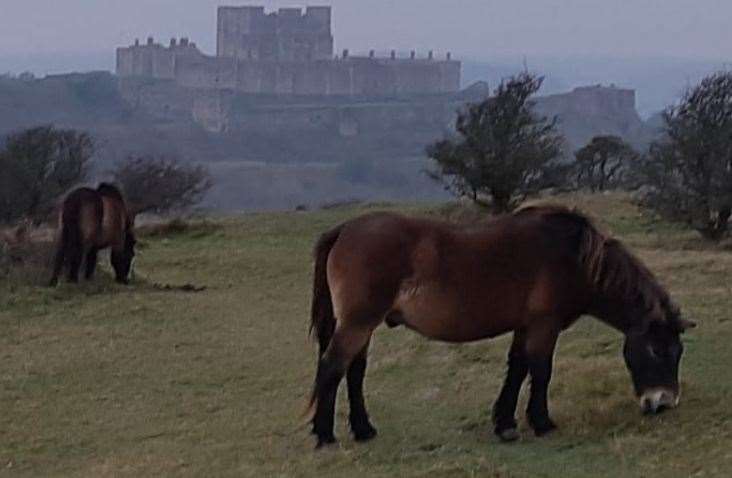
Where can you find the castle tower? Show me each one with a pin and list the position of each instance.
(248, 33)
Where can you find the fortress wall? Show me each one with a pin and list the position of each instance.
(163, 63)
(450, 71)
(125, 62)
(592, 100)
(339, 79)
(288, 52)
(207, 72)
(287, 35)
(233, 23)
(164, 100)
(312, 79)
(346, 120)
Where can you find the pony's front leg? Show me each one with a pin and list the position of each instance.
(504, 410)
(540, 353)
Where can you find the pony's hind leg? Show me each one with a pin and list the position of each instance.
(361, 427)
(346, 344)
(540, 357)
(76, 257)
(504, 410)
(91, 263)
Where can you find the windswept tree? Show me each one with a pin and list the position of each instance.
(603, 163)
(161, 185)
(504, 151)
(689, 169)
(37, 166)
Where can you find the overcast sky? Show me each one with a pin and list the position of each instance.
(478, 29)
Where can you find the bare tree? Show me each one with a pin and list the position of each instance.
(160, 184)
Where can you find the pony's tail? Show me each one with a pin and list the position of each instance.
(69, 242)
(322, 319)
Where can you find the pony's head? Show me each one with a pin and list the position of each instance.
(122, 260)
(629, 297)
(652, 354)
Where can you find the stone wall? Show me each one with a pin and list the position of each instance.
(248, 33)
(287, 52)
(346, 76)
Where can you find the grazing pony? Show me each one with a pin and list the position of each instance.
(533, 273)
(91, 220)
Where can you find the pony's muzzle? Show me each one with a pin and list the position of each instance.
(657, 400)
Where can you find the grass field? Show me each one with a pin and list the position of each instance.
(104, 380)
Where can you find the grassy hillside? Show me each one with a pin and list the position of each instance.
(104, 380)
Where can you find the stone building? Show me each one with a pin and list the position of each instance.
(287, 52)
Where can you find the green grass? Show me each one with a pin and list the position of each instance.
(104, 380)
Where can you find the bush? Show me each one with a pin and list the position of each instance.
(161, 185)
(689, 170)
(504, 151)
(37, 167)
(603, 163)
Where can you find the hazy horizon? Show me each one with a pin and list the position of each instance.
(567, 39)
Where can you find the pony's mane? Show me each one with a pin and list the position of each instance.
(612, 270)
(110, 190)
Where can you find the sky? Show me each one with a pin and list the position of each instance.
(476, 29)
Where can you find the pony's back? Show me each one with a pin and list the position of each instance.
(110, 190)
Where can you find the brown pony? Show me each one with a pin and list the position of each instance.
(92, 220)
(533, 273)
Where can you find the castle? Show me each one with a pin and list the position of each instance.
(287, 52)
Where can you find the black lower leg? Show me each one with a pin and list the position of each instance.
(327, 379)
(118, 266)
(538, 409)
(75, 259)
(91, 263)
(504, 409)
(361, 427)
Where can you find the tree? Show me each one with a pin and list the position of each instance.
(602, 163)
(503, 149)
(37, 166)
(690, 168)
(160, 184)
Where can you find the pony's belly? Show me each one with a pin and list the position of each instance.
(442, 315)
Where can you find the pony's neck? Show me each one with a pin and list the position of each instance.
(618, 314)
(625, 290)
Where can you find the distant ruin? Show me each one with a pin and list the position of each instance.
(287, 52)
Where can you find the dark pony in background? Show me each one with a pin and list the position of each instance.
(91, 220)
(533, 273)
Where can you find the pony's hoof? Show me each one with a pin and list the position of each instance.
(509, 435)
(544, 428)
(364, 433)
(325, 441)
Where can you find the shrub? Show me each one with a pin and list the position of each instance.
(161, 185)
(689, 170)
(503, 151)
(603, 163)
(37, 166)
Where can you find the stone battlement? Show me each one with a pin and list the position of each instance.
(287, 52)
